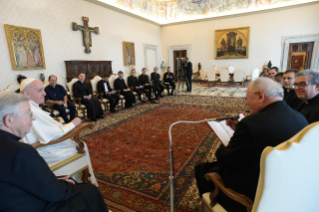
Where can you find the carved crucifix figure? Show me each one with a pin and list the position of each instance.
(86, 31)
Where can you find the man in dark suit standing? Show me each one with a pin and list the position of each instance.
(238, 163)
(119, 84)
(169, 81)
(189, 73)
(26, 181)
(103, 86)
(157, 85)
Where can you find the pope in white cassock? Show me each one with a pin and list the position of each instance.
(46, 129)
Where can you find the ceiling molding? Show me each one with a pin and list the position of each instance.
(96, 2)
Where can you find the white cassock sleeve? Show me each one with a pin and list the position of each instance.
(45, 128)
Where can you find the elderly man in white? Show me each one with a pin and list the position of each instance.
(46, 129)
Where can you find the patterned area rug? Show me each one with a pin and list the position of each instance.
(130, 151)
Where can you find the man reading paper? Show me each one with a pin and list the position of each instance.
(271, 122)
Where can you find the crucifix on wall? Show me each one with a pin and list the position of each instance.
(86, 32)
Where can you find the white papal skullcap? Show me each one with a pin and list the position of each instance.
(25, 83)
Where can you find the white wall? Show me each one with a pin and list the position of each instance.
(60, 43)
(266, 31)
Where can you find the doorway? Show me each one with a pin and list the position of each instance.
(299, 56)
(180, 54)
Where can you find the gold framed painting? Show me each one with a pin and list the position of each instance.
(25, 48)
(232, 43)
(128, 53)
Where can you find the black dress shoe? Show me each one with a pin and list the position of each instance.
(113, 111)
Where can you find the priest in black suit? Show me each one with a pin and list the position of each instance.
(238, 163)
(81, 90)
(290, 96)
(144, 80)
(169, 81)
(103, 86)
(189, 73)
(307, 89)
(119, 84)
(139, 89)
(157, 85)
(26, 181)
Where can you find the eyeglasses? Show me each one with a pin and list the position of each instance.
(30, 113)
(287, 78)
(302, 84)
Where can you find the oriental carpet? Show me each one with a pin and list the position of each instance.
(130, 152)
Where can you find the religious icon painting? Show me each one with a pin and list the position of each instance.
(129, 54)
(232, 43)
(25, 48)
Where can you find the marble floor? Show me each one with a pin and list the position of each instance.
(198, 89)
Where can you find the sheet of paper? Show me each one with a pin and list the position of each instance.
(222, 131)
(113, 92)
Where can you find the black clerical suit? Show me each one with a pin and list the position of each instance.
(169, 81)
(238, 163)
(143, 80)
(189, 73)
(157, 85)
(290, 97)
(119, 84)
(28, 185)
(58, 93)
(93, 105)
(310, 109)
(133, 83)
(113, 98)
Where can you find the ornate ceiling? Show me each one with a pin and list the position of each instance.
(172, 11)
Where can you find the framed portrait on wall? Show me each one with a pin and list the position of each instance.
(232, 43)
(128, 54)
(25, 48)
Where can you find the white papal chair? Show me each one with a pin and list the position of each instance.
(12, 88)
(203, 75)
(76, 163)
(288, 179)
(254, 75)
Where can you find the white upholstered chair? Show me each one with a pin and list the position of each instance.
(203, 75)
(224, 76)
(76, 163)
(231, 69)
(239, 77)
(77, 101)
(211, 77)
(12, 88)
(288, 179)
(254, 75)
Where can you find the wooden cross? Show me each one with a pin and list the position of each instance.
(86, 32)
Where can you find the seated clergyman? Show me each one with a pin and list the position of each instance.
(169, 81)
(279, 77)
(46, 129)
(26, 181)
(139, 89)
(307, 89)
(81, 90)
(290, 96)
(103, 86)
(119, 84)
(272, 72)
(238, 163)
(56, 95)
(157, 85)
(144, 81)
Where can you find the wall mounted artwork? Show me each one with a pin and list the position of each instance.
(129, 54)
(25, 48)
(232, 43)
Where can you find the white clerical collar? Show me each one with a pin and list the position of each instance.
(32, 103)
